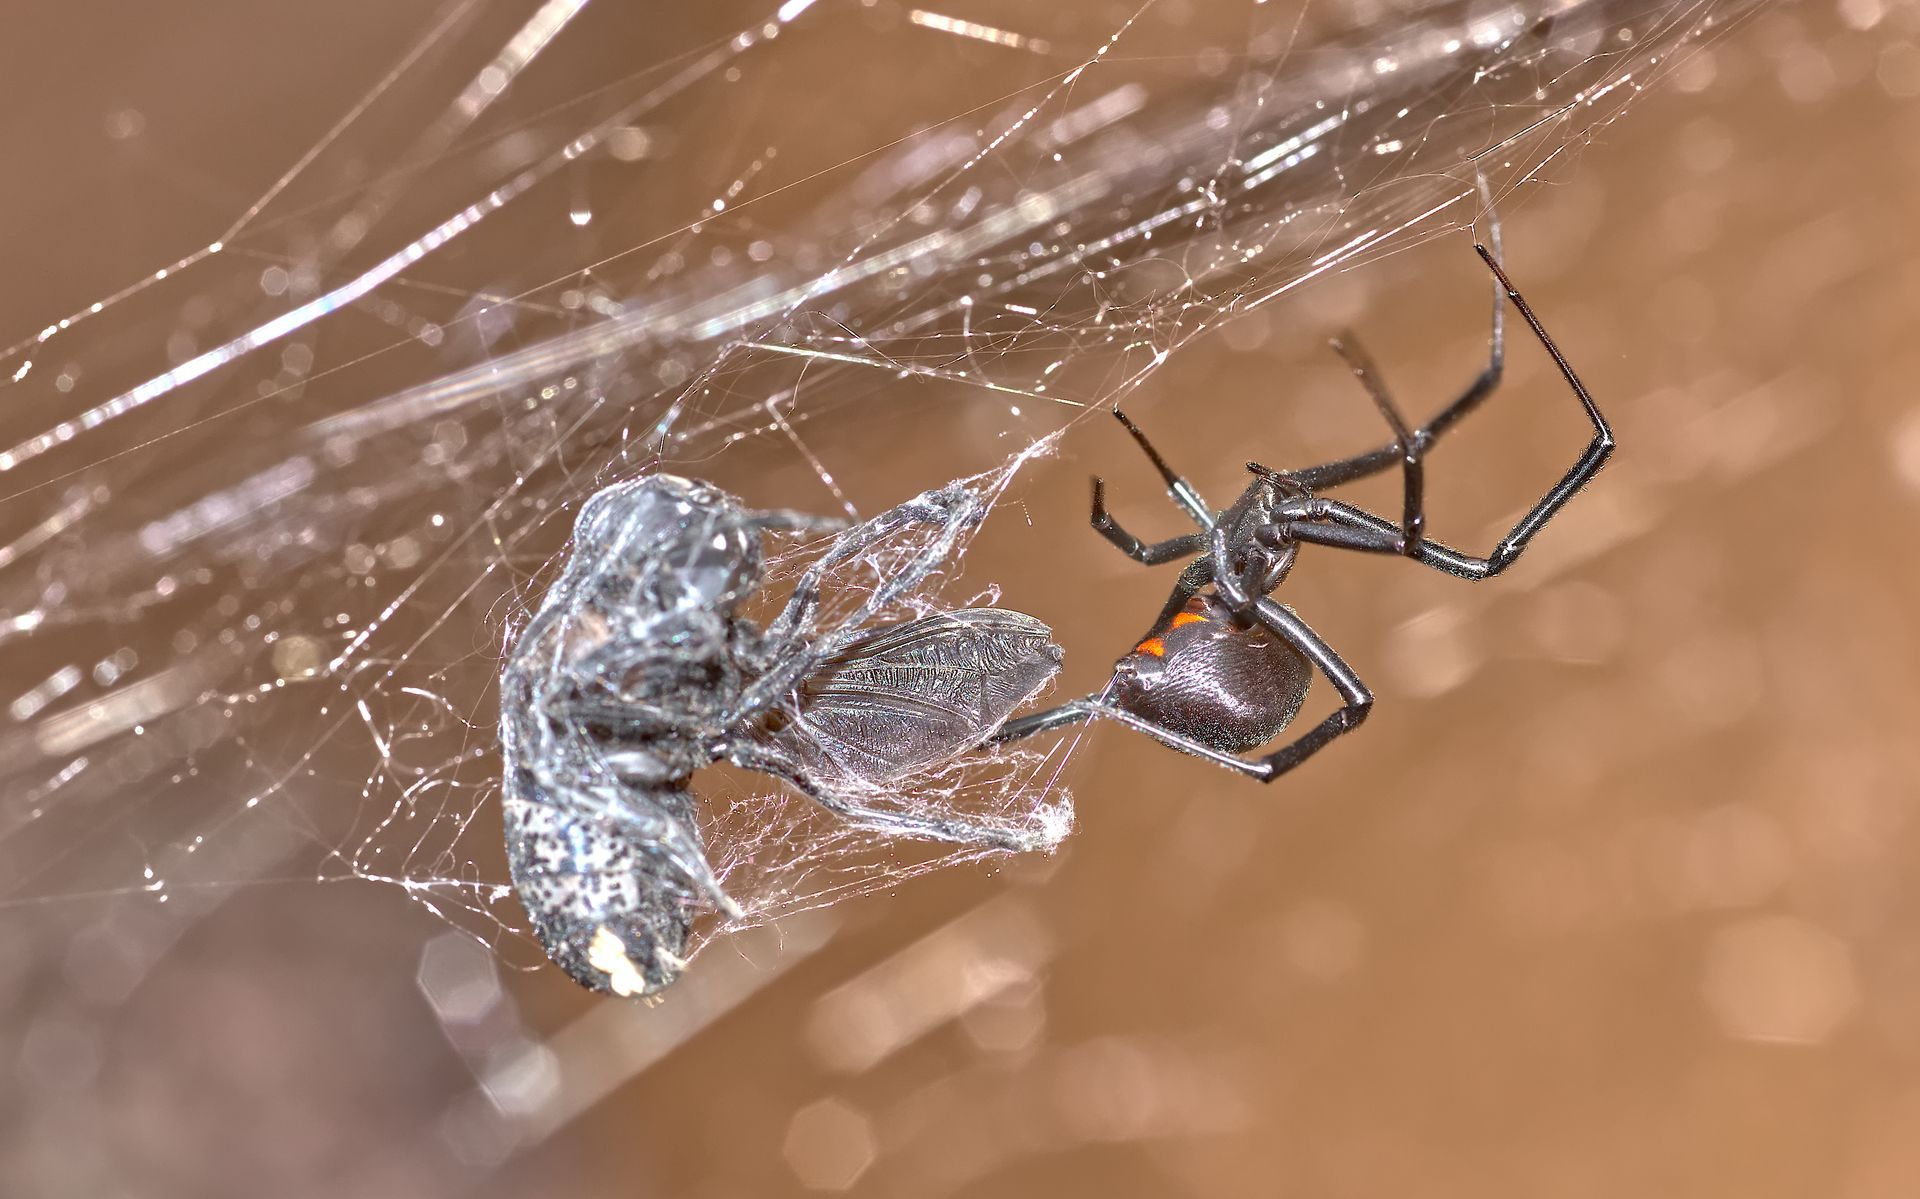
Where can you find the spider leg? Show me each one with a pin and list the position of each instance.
(1413, 517)
(1198, 574)
(1357, 702)
(1329, 522)
(1133, 547)
(1074, 712)
(771, 761)
(1344, 526)
(1183, 492)
(1087, 707)
(1360, 466)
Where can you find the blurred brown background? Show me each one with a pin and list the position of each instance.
(1613, 895)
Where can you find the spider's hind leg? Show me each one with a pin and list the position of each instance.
(1356, 703)
(1355, 699)
(1077, 711)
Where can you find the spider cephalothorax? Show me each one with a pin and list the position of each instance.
(1224, 669)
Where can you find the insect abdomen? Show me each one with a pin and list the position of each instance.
(611, 913)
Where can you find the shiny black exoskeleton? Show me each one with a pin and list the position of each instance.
(1208, 677)
(1225, 669)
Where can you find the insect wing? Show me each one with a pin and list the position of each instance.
(912, 695)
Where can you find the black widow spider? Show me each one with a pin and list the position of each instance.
(1225, 671)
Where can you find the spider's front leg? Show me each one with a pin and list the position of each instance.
(1414, 445)
(1408, 446)
(1349, 527)
(1133, 547)
(1183, 493)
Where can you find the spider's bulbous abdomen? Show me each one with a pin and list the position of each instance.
(1226, 685)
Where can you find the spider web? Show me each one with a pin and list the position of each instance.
(275, 511)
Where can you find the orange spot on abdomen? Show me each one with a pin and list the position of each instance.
(1156, 646)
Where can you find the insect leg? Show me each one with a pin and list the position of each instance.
(953, 510)
(951, 506)
(886, 820)
(792, 520)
